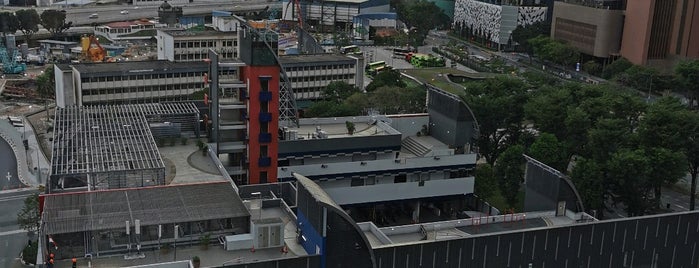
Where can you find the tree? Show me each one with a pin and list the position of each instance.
(549, 151)
(498, 105)
(522, 34)
(55, 21)
(9, 24)
(667, 168)
(588, 178)
(616, 67)
(386, 78)
(46, 83)
(606, 138)
(687, 77)
(485, 185)
(28, 22)
(629, 172)
(420, 17)
(691, 151)
(592, 67)
(554, 50)
(509, 170)
(338, 91)
(328, 109)
(28, 218)
(664, 125)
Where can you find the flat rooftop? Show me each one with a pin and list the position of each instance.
(206, 32)
(292, 60)
(336, 127)
(136, 67)
(454, 229)
(109, 209)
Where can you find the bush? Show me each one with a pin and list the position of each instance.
(184, 141)
(29, 253)
(205, 240)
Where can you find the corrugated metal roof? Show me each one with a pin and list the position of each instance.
(110, 209)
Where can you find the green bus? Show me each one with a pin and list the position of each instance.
(374, 67)
(353, 49)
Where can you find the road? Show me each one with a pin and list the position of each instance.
(12, 238)
(8, 167)
(110, 13)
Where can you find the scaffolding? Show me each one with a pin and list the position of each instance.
(110, 146)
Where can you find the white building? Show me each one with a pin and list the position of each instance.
(128, 30)
(186, 45)
(311, 73)
(127, 82)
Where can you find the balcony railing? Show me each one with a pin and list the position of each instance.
(265, 96)
(265, 117)
(265, 137)
(264, 161)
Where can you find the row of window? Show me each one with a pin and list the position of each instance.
(177, 88)
(320, 67)
(141, 77)
(201, 56)
(322, 78)
(402, 178)
(205, 44)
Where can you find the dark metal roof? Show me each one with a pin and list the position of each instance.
(313, 59)
(110, 209)
(138, 67)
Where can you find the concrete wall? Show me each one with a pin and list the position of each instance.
(608, 24)
(165, 46)
(409, 125)
(667, 240)
(637, 26)
(399, 191)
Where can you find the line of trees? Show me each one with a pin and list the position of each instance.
(386, 94)
(613, 145)
(28, 20)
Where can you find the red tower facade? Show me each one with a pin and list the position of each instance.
(263, 122)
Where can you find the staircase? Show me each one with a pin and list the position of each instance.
(415, 147)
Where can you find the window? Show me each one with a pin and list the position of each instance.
(356, 181)
(371, 180)
(263, 176)
(400, 178)
(263, 151)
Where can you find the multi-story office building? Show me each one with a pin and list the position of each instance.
(329, 15)
(494, 20)
(594, 29)
(309, 74)
(127, 82)
(194, 45)
(658, 32)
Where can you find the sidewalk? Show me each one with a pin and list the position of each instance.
(36, 160)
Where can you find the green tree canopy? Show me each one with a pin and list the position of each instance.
(498, 105)
(421, 16)
(589, 179)
(28, 22)
(509, 170)
(549, 151)
(28, 218)
(46, 83)
(9, 24)
(687, 76)
(386, 78)
(338, 91)
(486, 185)
(618, 66)
(55, 21)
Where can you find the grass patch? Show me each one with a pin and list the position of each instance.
(438, 77)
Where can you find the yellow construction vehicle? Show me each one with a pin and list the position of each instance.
(92, 50)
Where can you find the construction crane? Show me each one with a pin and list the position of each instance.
(299, 16)
(10, 65)
(92, 50)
